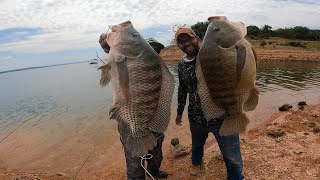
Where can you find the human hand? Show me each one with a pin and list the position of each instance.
(179, 120)
(103, 42)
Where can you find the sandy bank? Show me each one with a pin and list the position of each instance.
(275, 50)
(284, 147)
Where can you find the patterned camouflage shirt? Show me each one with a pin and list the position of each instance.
(188, 85)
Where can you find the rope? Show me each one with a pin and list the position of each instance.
(74, 177)
(146, 157)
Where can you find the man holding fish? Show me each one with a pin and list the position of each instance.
(142, 88)
(219, 77)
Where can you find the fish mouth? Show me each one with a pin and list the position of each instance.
(125, 24)
(119, 27)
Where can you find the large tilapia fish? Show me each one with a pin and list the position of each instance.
(226, 72)
(142, 88)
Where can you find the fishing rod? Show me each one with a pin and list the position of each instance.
(109, 27)
(99, 58)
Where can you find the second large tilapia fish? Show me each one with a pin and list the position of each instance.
(226, 72)
(142, 88)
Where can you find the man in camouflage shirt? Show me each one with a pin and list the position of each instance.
(189, 43)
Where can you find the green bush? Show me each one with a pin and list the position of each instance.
(263, 43)
(296, 44)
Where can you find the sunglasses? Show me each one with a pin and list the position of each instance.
(184, 41)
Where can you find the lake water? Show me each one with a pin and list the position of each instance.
(59, 103)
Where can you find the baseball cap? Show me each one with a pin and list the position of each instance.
(184, 30)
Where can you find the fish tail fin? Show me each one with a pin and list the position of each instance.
(234, 124)
(252, 101)
(105, 75)
(140, 146)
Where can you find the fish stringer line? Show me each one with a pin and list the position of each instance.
(145, 157)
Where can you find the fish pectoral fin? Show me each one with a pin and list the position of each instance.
(105, 74)
(113, 112)
(123, 73)
(241, 60)
(119, 58)
(234, 124)
(252, 101)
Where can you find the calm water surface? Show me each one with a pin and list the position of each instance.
(47, 93)
(61, 102)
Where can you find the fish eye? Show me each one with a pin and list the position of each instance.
(135, 35)
(216, 29)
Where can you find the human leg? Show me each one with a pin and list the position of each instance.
(134, 169)
(199, 135)
(154, 163)
(230, 149)
(133, 164)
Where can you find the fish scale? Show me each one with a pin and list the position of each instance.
(226, 72)
(142, 89)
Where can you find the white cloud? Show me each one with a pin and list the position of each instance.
(77, 24)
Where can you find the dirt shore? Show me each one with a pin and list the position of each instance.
(283, 147)
(276, 49)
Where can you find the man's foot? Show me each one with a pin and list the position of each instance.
(159, 174)
(195, 170)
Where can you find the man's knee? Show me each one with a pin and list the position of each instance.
(233, 161)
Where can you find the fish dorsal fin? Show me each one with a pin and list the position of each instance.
(126, 24)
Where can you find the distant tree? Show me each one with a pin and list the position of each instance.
(285, 33)
(265, 31)
(298, 32)
(266, 28)
(301, 32)
(253, 31)
(200, 28)
(315, 35)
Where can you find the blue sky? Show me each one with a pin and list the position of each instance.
(43, 32)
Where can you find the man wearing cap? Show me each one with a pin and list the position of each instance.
(189, 43)
(134, 169)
